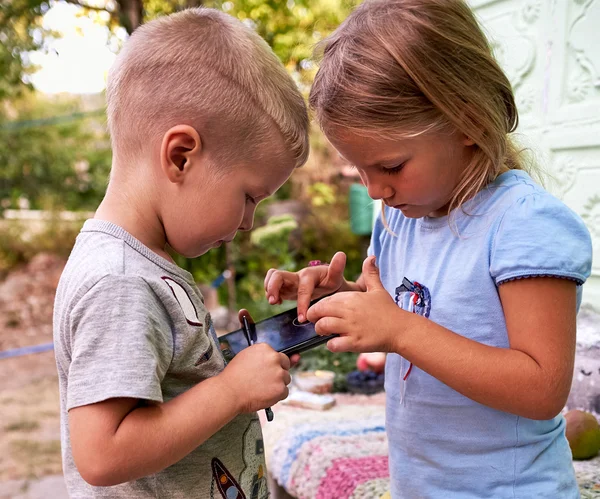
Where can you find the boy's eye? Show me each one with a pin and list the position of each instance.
(394, 169)
(250, 199)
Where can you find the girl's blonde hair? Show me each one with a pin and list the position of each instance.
(400, 68)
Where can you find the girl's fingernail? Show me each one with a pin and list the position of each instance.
(272, 300)
(301, 318)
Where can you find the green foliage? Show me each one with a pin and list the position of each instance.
(20, 241)
(59, 166)
(320, 358)
(20, 32)
(273, 238)
(321, 194)
(291, 28)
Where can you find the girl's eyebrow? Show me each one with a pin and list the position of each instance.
(379, 164)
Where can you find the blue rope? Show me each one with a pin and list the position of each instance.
(17, 352)
(45, 347)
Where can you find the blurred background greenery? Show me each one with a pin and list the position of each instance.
(55, 156)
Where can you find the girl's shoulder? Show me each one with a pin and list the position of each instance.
(535, 233)
(515, 197)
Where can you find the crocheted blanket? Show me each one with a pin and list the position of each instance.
(342, 453)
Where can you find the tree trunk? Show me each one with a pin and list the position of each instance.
(131, 14)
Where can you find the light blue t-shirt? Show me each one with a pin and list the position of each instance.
(443, 444)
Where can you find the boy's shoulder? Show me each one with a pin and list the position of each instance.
(109, 260)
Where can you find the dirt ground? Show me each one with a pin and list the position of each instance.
(29, 402)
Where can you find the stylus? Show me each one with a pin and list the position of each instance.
(250, 338)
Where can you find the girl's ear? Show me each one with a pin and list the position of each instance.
(468, 141)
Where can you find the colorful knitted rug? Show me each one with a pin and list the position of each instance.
(342, 453)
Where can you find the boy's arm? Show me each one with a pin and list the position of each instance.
(118, 440)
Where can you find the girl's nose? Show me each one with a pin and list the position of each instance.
(378, 190)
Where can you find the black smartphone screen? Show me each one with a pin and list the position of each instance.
(283, 332)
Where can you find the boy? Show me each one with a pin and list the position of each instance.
(205, 123)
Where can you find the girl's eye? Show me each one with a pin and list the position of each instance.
(250, 199)
(394, 170)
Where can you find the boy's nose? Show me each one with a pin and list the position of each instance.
(246, 226)
(247, 223)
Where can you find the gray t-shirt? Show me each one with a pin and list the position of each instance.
(129, 323)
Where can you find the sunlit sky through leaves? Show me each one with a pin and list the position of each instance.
(78, 61)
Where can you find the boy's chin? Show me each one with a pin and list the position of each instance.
(196, 252)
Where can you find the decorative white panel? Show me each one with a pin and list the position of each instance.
(550, 50)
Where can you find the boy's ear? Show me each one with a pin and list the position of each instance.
(180, 149)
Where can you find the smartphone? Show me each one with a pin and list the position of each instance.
(282, 331)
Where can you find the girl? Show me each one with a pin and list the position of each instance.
(479, 270)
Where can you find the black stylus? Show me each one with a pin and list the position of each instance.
(251, 339)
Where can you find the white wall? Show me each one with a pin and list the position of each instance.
(550, 50)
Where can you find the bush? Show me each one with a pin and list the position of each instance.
(20, 241)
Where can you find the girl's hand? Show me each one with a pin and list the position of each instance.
(366, 322)
(306, 284)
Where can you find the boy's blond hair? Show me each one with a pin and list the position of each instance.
(206, 69)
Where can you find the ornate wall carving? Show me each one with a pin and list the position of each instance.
(550, 50)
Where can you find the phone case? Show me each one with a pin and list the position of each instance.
(237, 337)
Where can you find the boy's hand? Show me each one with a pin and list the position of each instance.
(259, 376)
(306, 284)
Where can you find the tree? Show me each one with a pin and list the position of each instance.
(51, 163)
(20, 32)
(291, 27)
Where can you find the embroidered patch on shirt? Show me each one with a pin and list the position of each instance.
(184, 300)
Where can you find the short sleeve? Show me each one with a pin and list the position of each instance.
(121, 343)
(539, 236)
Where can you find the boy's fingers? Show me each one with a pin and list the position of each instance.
(284, 361)
(294, 360)
(274, 286)
(268, 278)
(306, 287)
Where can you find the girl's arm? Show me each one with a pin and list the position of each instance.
(532, 378)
